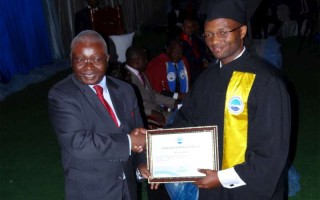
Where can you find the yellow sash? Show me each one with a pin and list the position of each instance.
(236, 119)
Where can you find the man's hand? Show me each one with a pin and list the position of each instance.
(181, 96)
(138, 140)
(146, 174)
(158, 116)
(210, 181)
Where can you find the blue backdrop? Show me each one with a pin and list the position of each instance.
(24, 41)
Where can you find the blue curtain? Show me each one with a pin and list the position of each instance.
(24, 41)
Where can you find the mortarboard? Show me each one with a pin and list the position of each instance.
(238, 10)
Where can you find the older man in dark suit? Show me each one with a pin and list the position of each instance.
(96, 120)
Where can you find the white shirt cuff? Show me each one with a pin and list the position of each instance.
(139, 176)
(129, 139)
(175, 95)
(230, 179)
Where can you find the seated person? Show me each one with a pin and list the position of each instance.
(133, 72)
(194, 49)
(169, 73)
(83, 17)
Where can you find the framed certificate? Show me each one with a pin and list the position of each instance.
(175, 155)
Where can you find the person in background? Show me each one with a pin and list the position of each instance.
(83, 18)
(135, 66)
(98, 124)
(194, 49)
(169, 72)
(175, 18)
(248, 101)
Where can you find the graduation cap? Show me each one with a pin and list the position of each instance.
(238, 10)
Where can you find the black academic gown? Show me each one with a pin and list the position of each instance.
(268, 126)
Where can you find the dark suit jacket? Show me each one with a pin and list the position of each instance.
(82, 20)
(173, 19)
(95, 153)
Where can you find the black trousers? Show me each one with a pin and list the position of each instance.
(125, 191)
(159, 194)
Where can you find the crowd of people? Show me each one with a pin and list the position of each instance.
(204, 77)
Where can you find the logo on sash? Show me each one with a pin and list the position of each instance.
(182, 75)
(235, 105)
(171, 76)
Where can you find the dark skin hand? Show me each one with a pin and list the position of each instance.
(176, 103)
(138, 140)
(141, 132)
(181, 96)
(210, 181)
(146, 174)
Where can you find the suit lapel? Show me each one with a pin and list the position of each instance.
(115, 96)
(136, 81)
(93, 100)
(148, 84)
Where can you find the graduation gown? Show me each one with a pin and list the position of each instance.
(268, 132)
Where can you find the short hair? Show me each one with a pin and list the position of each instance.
(172, 43)
(134, 51)
(188, 20)
(89, 35)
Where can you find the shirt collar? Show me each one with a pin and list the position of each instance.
(95, 8)
(240, 54)
(133, 70)
(103, 84)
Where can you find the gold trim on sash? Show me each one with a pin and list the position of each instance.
(236, 119)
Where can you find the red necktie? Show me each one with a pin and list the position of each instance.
(142, 78)
(99, 91)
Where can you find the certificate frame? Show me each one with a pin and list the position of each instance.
(186, 149)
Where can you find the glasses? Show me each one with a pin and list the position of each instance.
(83, 61)
(220, 34)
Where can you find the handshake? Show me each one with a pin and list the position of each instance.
(138, 140)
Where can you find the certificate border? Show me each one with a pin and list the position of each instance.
(150, 133)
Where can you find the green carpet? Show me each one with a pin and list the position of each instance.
(30, 167)
(303, 70)
(29, 153)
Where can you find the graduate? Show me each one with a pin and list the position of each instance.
(248, 101)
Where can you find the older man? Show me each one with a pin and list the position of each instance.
(96, 120)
